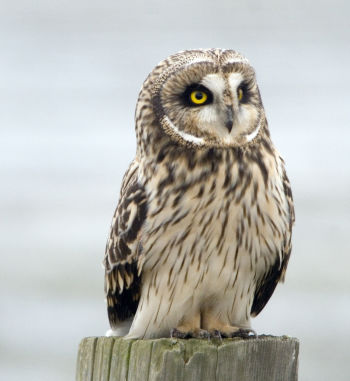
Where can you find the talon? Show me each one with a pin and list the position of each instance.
(245, 333)
(175, 333)
(216, 334)
(253, 334)
(202, 334)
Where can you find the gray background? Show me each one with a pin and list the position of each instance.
(70, 72)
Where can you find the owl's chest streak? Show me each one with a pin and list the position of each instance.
(205, 214)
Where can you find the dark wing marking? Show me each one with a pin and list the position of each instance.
(276, 273)
(267, 285)
(122, 281)
(288, 192)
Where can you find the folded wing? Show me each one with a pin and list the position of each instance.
(122, 278)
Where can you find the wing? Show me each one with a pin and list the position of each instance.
(122, 280)
(267, 285)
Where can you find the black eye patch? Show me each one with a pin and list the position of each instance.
(246, 92)
(196, 95)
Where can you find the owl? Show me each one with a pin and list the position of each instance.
(202, 231)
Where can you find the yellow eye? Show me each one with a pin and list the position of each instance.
(198, 97)
(240, 94)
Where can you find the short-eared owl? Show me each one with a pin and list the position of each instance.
(202, 232)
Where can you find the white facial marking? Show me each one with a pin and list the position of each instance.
(253, 134)
(184, 135)
(215, 83)
(212, 117)
(208, 115)
(235, 79)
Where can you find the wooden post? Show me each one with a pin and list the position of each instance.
(266, 358)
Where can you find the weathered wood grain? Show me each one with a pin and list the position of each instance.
(259, 359)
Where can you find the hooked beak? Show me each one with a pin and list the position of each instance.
(229, 118)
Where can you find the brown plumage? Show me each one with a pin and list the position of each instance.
(202, 232)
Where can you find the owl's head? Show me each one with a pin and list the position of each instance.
(203, 98)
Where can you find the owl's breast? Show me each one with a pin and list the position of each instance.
(215, 220)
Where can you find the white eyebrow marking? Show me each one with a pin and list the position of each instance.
(235, 79)
(215, 83)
